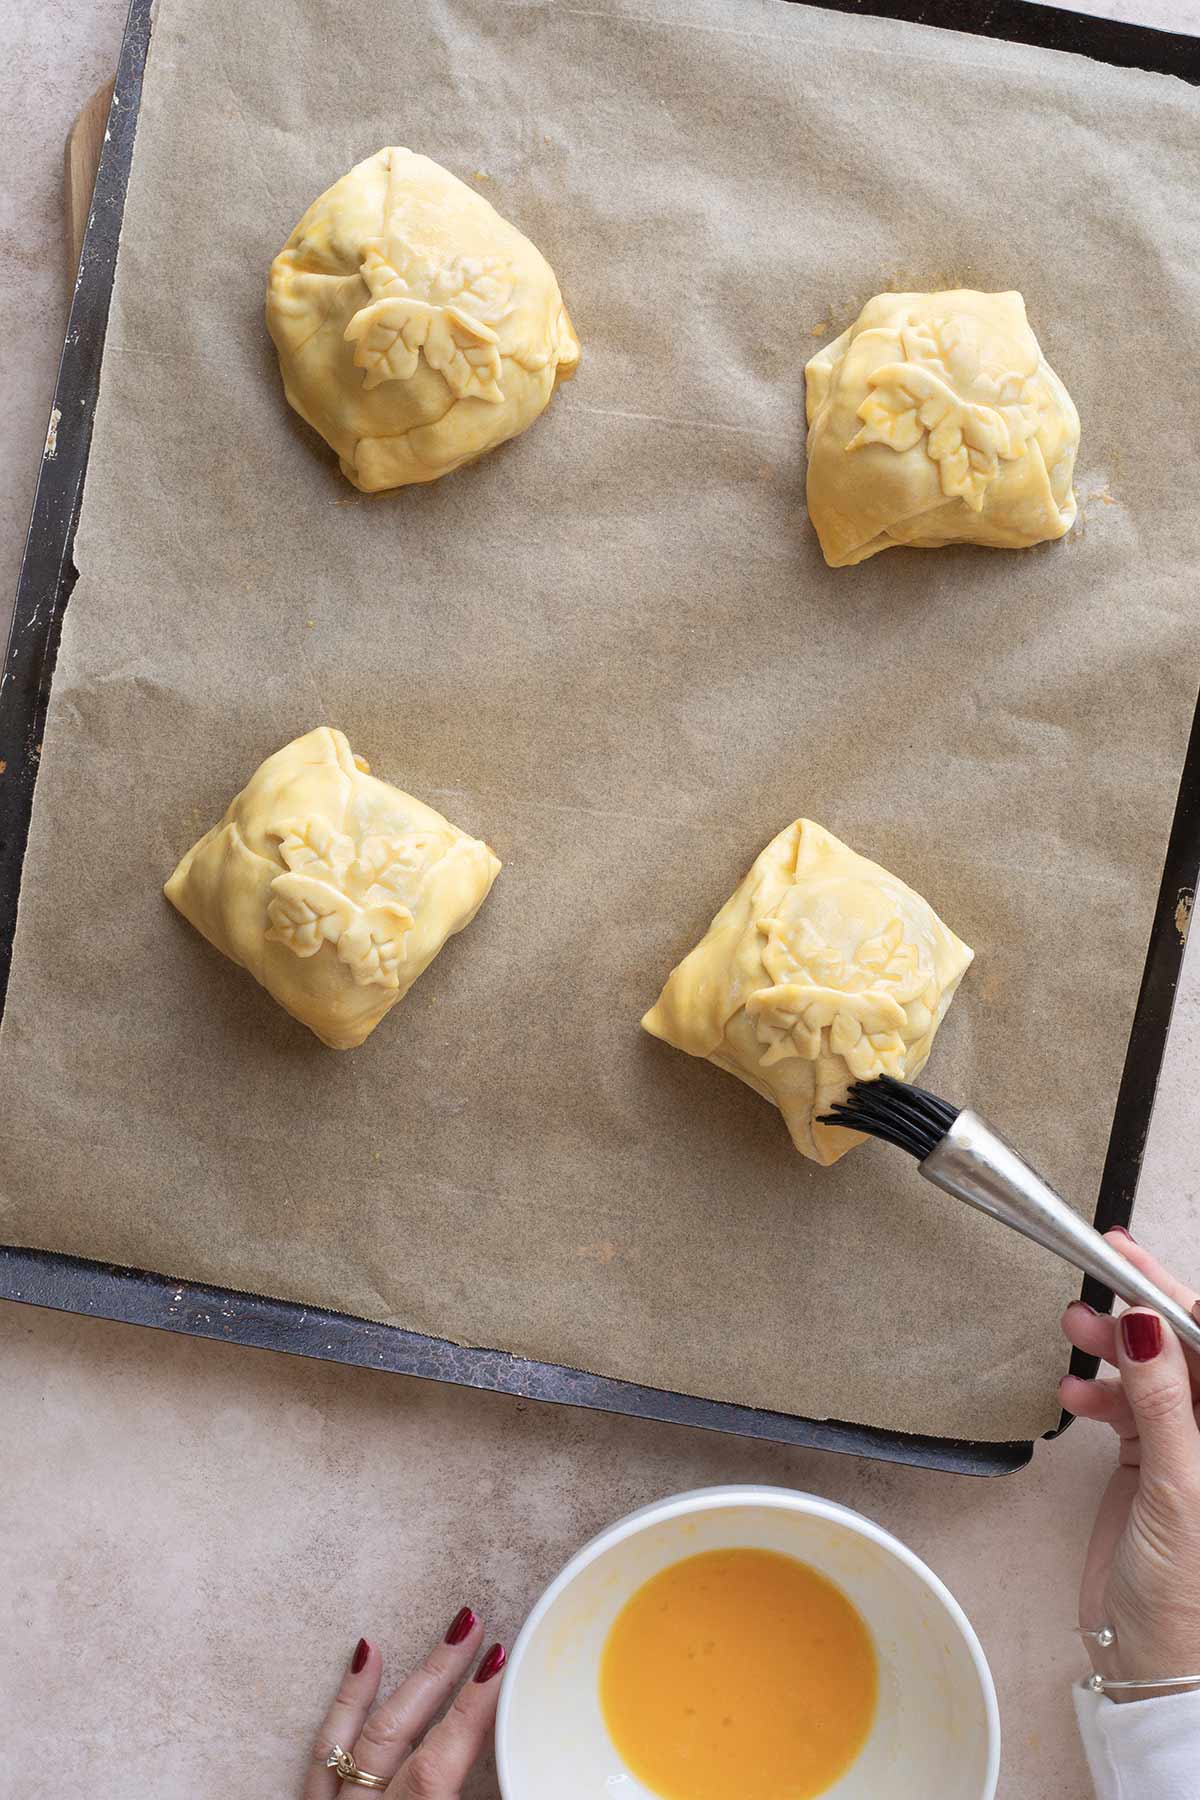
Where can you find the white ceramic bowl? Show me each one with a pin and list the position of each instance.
(936, 1729)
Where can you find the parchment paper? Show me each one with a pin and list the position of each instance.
(613, 650)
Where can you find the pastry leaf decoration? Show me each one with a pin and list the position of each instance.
(867, 1010)
(439, 311)
(920, 398)
(332, 892)
(965, 441)
(316, 848)
(305, 913)
(390, 336)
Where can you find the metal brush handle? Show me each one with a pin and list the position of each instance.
(974, 1163)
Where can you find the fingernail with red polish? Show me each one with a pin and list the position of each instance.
(492, 1664)
(358, 1661)
(461, 1626)
(1142, 1333)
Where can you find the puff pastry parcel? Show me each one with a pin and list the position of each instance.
(334, 889)
(416, 328)
(821, 969)
(937, 420)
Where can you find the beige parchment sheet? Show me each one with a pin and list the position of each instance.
(613, 650)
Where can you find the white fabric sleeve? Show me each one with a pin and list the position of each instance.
(1143, 1750)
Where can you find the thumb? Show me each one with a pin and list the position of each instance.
(1155, 1378)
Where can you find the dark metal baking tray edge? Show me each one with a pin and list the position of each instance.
(71, 1284)
(1046, 27)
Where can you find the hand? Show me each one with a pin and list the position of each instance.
(398, 1739)
(1142, 1572)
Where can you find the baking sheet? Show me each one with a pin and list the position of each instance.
(613, 649)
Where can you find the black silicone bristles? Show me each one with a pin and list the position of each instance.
(908, 1117)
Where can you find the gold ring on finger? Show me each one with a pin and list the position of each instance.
(348, 1770)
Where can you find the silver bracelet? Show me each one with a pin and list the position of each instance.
(1104, 1639)
(1100, 1684)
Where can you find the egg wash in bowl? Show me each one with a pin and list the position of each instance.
(738, 1671)
(841, 1663)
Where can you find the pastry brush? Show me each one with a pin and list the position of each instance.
(959, 1152)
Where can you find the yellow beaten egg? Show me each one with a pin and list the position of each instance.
(738, 1675)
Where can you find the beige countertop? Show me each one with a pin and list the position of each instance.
(193, 1536)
